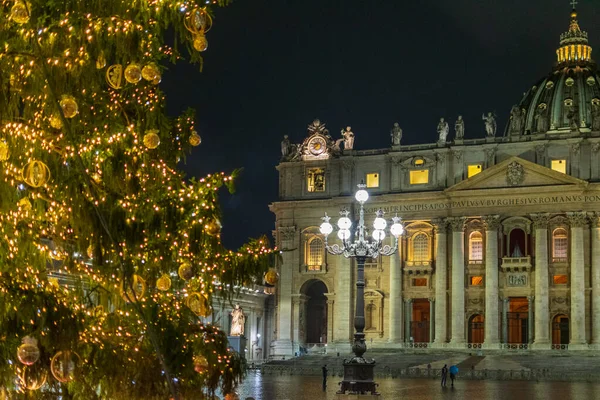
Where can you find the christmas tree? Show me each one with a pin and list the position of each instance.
(109, 256)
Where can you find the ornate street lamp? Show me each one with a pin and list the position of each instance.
(358, 372)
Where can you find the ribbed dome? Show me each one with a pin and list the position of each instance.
(568, 99)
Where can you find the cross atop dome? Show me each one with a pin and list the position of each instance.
(574, 47)
(574, 4)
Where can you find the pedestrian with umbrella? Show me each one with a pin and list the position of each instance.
(453, 373)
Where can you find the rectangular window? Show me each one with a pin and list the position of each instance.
(420, 282)
(477, 281)
(559, 166)
(315, 179)
(473, 170)
(373, 180)
(560, 279)
(420, 177)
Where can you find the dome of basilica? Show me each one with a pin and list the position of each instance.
(568, 99)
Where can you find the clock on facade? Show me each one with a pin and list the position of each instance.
(317, 145)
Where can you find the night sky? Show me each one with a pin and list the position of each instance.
(273, 66)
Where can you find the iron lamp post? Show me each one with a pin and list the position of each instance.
(358, 372)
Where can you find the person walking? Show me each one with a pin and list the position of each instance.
(444, 375)
(324, 377)
(453, 373)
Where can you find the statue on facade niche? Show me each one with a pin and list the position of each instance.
(459, 128)
(442, 130)
(541, 119)
(573, 117)
(596, 117)
(396, 134)
(285, 146)
(490, 124)
(237, 321)
(348, 138)
(516, 120)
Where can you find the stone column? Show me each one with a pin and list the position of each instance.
(330, 303)
(530, 317)
(343, 310)
(395, 311)
(287, 240)
(596, 278)
(505, 306)
(441, 281)
(492, 223)
(431, 320)
(542, 310)
(407, 319)
(578, 221)
(299, 320)
(458, 280)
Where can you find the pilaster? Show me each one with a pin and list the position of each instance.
(282, 346)
(492, 223)
(595, 219)
(441, 281)
(578, 221)
(542, 310)
(395, 311)
(458, 279)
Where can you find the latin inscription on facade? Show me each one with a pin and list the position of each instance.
(516, 280)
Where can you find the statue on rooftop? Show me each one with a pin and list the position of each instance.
(516, 121)
(237, 321)
(348, 138)
(541, 119)
(396, 134)
(595, 117)
(285, 147)
(459, 127)
(490, 124)
(442, 130)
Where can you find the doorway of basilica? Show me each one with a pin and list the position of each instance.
(316, 312)
(560, 330)
(419, 324)
(476, 328)
(518, 320)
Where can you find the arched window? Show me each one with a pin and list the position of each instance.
(560, 244)
(420, 247)
(371, 317)
(314, 254)
(476, 246)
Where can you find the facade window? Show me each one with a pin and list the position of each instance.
(476, 247)
(419, 177)
(314, 254)
(560, 245)
(419, 282)
(473, 170)
(315, 180)
(420, 247)
(560, 279)
(559, 166)
(476, 281)
(373, 180)
(419, 162)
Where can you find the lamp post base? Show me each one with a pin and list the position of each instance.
(358, 377)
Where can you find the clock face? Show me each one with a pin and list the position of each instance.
(317, 145)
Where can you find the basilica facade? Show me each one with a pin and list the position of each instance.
(501, 248)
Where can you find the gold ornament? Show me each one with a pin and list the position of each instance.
(98, 311)
(213, 228)
(133, 73)
(33, 377)
(56, 122)
(139, 289)
(150, 72)
(199, 305)
(57, 254)
(28, 353)
(186, 272)
(195, 139)
(36, 174)
(101, 61)
(4, 151)
(272, 276)
(163, 283)
(25, 204)
(198, 21)
(19, 12)
(90, 251)
(64, 365)
(114, 76)
(151, 139)
(157, 81)
(200, 364)
(69, 106)
(53, 282)
(232, 396)
(200, 42)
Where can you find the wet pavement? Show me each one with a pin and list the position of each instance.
(269, 387)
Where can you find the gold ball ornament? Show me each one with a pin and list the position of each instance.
(64, 366)
(56, 122)
(101, 61)
(199, 305)
(200, 364)
(272, 277)
(186, 272)
(163, 283)
(151, 139)
(25, 204)
(33, 377)
(198, 21)
(200, 42)
(133, 73)
(150, 72)
(195, 139)
(114, 76)
(28, 353)
(36, 174)
(213, 228)
(19, 13)
(4, 151)
(139, 289)
(69, 106)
